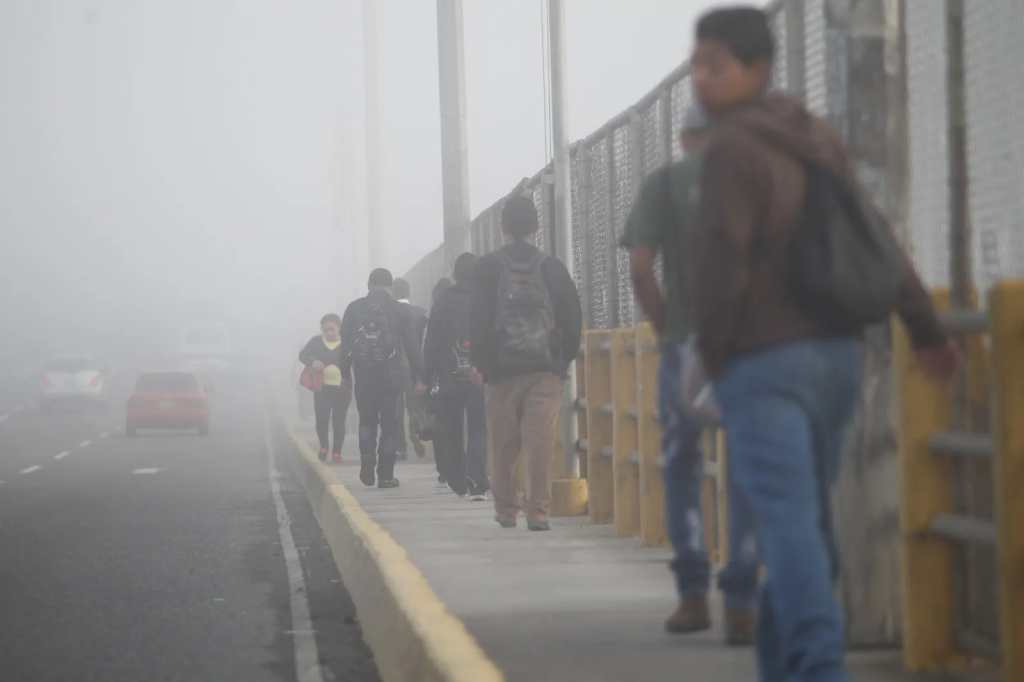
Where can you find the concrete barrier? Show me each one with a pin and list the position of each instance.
(413, 635)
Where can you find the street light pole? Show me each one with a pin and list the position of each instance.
(454, 162)
(371, 83)
(563, 210)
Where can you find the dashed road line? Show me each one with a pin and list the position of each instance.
(61, 455)
(85, 444)
(30, 469)
(146, 472)
(105, 434)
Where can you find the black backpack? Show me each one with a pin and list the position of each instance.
(525, 316)
(373, 345)
(845, 268)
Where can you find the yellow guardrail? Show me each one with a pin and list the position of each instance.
(937, 445)
(620, 438)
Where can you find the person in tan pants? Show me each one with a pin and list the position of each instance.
(525, 327)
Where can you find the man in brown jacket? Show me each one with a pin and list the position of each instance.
(785, 382)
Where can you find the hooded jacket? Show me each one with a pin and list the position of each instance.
(752, 198)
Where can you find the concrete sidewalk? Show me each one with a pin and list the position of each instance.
(577, 603)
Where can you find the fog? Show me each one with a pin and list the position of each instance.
(167, 161)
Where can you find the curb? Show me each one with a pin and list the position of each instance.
(413, 635)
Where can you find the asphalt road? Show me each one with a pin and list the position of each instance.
(164, 557)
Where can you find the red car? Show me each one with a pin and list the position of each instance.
(168, 400)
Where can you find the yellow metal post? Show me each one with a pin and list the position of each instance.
(652, 485)
(926, 490)
(625, 471)
(1007, 311)
(599, 426)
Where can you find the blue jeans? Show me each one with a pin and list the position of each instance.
(785, 410)
(683, 472)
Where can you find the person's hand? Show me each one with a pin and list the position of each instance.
(317, 365)
(421, 388)
(940, 363)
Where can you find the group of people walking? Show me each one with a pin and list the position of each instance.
(482, 373)
(773, 264)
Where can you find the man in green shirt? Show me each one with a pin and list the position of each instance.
(664, 212)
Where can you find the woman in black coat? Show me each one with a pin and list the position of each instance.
(323, 355)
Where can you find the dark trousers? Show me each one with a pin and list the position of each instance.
(379, 425)
(410, 410)
(330, 404)
(463, 421)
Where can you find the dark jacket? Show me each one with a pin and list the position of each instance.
(418, 319)
(316, 350)
(410, 360)
(450, 313)
(564, 298)
(752, 196)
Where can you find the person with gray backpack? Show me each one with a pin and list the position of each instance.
(525, 328)
(379, 339)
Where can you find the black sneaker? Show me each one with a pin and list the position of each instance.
(388, 483)
(367, 477)
(538, 524)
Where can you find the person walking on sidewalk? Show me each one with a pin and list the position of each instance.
(525, 329)
(379, 338)
(780, 336)
(410, 408)
(660, 223)
(460, 395)
(323, 354)
(431, 407)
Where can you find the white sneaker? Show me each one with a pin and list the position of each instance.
(478, 497)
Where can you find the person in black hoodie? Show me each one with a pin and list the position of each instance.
(410, 407)
(378, 336)
(323, 354)
(525, 329)
(460, 396)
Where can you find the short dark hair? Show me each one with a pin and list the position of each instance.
(401, 288)
(519, 216)
(465, 266)
(744, 30)
(381, 277)
(330, 317)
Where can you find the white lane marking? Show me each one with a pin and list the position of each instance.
(307, 658)
(29, 470)
(146, 472)
(105, 434)
(61, 455)
(85, 444)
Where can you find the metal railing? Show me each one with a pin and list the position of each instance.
(963, 509)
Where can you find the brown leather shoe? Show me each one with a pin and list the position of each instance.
(691, 616)
(740, 625)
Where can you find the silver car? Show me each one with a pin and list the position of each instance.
(73, 378)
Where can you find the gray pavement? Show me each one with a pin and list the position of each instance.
(577, 603)
(159, 558)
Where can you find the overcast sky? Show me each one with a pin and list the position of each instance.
(161, 159)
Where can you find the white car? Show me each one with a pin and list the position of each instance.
(72, 378)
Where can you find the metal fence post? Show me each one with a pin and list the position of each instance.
(927, 490)
(1007, 306)
(612, 297)
(625, 473)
